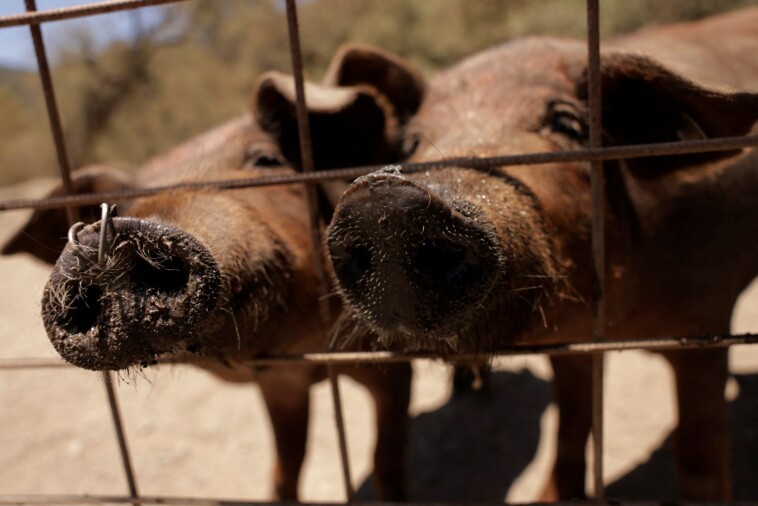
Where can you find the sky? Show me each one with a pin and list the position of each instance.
(16, 48)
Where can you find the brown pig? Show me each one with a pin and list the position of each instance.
(462, 260)
(215, 278)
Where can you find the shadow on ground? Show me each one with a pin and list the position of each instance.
(656, 478)
(477, 444)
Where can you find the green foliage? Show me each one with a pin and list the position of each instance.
(128, 101)
(22, 134)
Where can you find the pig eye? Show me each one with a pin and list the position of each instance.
(564, 119)
(261, 158)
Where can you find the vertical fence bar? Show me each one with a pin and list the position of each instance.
(52, 110)
(306, 157)
(598, 240)
(122, 445)
(72, 215)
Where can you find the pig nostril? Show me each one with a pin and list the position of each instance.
(360, 260)
(354, 263)
(82, 314)
(169, 276)
(442, 262)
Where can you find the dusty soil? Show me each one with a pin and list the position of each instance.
(192, 435)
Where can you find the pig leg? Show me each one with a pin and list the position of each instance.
(572, 386)
(287, 399)
(390, 388)
(701, 440)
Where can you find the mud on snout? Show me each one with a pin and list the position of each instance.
(149, 296)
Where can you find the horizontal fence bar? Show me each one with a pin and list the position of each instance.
(196, 501)
(77, 11)
(92, 499)
(484, 163)
(342, 357)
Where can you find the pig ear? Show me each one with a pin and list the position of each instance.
(644, 102)
(362, 64)
(349, 125)
(44, 235)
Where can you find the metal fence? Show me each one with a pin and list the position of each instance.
(595, 154)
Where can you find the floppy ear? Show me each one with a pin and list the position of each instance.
(349, 126)
(644, 102)
(44, 235)
(393, 77)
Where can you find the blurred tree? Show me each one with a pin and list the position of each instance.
(197, 66)
(23, 133)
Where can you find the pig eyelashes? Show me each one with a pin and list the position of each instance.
(564, 118)
(410, 144)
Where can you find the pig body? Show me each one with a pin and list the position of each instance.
(216, 278)
(461, 260)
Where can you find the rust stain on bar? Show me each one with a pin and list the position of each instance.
(609, 153)
(77, 11)
(663, 343)
(52, 110)
(306, 156)
(199, 501)
(72, 215)
(120, 436)
(598, 239)
(307, 166)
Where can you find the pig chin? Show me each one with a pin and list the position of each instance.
(153, 292)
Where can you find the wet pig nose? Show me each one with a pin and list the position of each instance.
(402, 253)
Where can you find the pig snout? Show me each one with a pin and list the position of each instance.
(152, 290)
(407, 260)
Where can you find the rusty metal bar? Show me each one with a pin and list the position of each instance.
(18, 500)
(120, 436)
(307, 166)
(52, 109)
(714, 341)
(72, 214)
(341, 358)
(339, 422)
(608, 153)
(104, 499)
(598, 239)
(77, 11)
(198, 501)
(306, 160)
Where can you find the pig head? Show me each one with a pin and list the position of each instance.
(186, 267)
(461, 259)
(466, 260)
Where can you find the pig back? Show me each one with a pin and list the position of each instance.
(717, 52)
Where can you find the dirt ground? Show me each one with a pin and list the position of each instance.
(192, 435)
